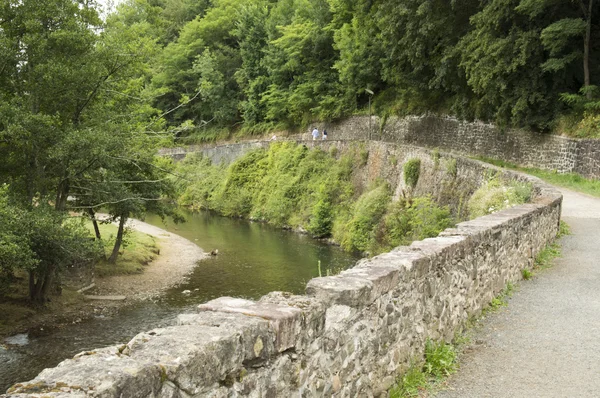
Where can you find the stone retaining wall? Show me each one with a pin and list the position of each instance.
(522, 147)
(350, 335)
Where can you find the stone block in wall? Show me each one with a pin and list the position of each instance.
(341, 289)
(283, 319)
(257, 338)
(104, 372)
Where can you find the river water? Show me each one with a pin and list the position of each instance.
(253, 259)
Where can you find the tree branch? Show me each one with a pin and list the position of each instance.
(174, 109)
(115, 202)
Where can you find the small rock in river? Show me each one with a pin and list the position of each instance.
(186, 292)
(17, 339)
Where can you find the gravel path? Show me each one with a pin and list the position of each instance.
(546, 343)
(178, 257)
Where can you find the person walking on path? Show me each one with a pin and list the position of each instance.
(315, 133)
(324, 135)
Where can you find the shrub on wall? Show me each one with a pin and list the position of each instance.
(494, 195)
(407, 221)
(357, 233)
(412, 169)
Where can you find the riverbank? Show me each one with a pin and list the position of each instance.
(178, 257)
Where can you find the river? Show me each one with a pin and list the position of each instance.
(253, 259)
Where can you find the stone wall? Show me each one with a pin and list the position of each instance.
(217, 153)
(350, 335)
(522, 147)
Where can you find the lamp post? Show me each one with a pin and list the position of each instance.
(370, 95)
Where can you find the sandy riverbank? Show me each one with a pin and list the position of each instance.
(178, 257)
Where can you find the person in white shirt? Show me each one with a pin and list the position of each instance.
(315, 133)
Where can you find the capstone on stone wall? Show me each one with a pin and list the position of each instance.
(350, 335)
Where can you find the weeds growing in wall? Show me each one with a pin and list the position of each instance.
(440, 361)
(289, 185)
(412, 170)
(494, 195)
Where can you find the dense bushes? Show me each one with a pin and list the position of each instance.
(289, 185)
(40, 242)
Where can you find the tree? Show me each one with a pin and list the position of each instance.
(42, 242)
(75, 117)
(572, 22)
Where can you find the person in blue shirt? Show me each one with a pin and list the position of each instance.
(315, 133)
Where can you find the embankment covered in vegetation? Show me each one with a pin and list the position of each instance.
(365, 197)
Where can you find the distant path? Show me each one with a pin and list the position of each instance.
(178, 257)
(546, 343)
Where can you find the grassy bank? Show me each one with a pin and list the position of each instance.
(571, 181)
(137, 251)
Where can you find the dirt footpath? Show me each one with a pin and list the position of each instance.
(178, 257)
(546, 343)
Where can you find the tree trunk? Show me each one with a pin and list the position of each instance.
(38, 290)
(45, 284)
(113, 257)
(95, 223)
(31, 286)
(586, 50)
(62, 193)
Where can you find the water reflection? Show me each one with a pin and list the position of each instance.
(253, 259)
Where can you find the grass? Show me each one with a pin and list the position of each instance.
(571, 181)
(138, 250)
(440, 362)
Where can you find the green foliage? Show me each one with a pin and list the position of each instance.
(493, 196)
(413, 384)
(501, 300)
(364, 157)
(286, 185)
(563, 229)
(452, 168)
(260, 65)
(321, 221)
(545, 258)
(526, 274)
(407, 221)
(412, 170)
(358, 234)
(440, 359)
(42, 243)
(290, 185)
(435, 155)
(440, 362)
